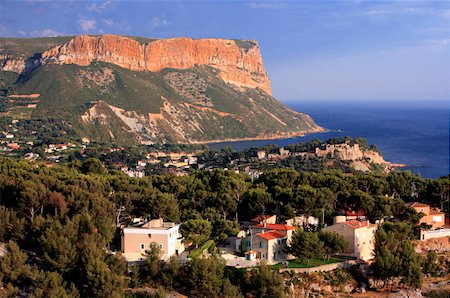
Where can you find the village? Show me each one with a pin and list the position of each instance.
(265, 239)
(344, 153)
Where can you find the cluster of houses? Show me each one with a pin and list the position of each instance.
(264, 238)
(282, 153)
(177, 162)
(8, 141)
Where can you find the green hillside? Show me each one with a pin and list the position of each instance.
(107, 103)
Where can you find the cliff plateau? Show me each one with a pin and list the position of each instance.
(127, 89)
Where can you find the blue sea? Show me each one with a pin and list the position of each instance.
(415, 133)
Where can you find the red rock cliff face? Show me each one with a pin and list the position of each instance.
(238, 66)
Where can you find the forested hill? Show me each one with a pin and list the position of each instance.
(57, 222)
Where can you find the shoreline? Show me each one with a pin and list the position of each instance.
(267, 137)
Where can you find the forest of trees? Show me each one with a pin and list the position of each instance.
(57, 223)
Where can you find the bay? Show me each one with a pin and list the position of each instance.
(412, 132)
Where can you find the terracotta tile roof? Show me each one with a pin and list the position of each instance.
(360, 212)
(417, 204)
(435, 212)
(356, 224)
(278, 227)
(271, 235)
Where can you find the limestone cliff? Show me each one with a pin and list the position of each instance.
(130, 90)
(238, 65)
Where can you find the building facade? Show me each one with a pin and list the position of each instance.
(266, 242)
(136, 240)
(432, 216)
(360, 237)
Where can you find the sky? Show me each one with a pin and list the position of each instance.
(312, 50)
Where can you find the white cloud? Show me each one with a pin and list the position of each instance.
(264, 5)
(438, 42)
(39, 33)
(377, 12)
(108, 22)
(98, 7)
(87, 25)
(159, 22)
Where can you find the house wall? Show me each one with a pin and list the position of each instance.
(347, 233)
(360, 242)
(277, 248)
(365, 243)
(425, 210)
(169, 240)
(424, 235)
(436, 220)
(262, 252)
(271, 251)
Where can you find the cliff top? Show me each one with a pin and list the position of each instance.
(27, 47)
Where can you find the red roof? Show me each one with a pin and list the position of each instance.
(435, 212)
(278, 227)
(417, 204)
(271, 235)
(356, 224)
(250, 252)
(360, 212)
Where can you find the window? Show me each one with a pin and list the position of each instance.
(248, 243)
(437, 219)
(261, 244)
(149, 235)
(279, 242)
(274, 255)
(142, 246)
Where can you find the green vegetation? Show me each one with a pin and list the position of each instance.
(200, 250)
(27, 47)
(68, 91)
(395, 255)
(58, 221)
(307, 245)
(313, 262)
(245, 44)
(143, 40)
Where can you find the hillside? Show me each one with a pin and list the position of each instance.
(134, 90)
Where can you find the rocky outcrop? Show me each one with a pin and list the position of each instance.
(18, 65)
(175, 122)
(239, 64)
(361, 158)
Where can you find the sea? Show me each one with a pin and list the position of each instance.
(411, 132)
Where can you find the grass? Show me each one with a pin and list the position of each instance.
(244, 44)
(314, 262)
(27, 47)
(198, 251)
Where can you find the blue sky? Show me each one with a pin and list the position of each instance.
(356, 50)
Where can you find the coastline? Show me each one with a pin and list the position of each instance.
(264, 137)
